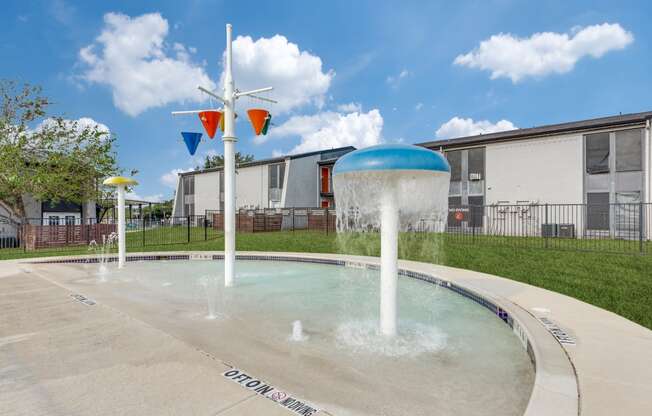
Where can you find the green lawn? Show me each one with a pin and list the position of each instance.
(618, 282)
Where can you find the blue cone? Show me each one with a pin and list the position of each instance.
(192, 140)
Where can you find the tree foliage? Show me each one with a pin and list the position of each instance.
(49, 158)
(218, 160)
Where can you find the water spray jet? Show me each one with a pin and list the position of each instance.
(391, 188)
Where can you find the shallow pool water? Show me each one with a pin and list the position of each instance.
(452, 356)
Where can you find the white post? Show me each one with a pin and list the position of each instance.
(229, 140)
(121, 226)
(388, 263)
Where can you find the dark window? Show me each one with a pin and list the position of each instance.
(455, 161)
(189, 185)
(70, 220)
(476, 210)
(476, 164)
(597, 153)
(628, 150)
(53, 220)
(276, 175)
(597, 211)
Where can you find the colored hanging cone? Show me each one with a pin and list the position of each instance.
(268, 121)
(192, 140)
(222, 124)
(210, 120)
(257, 116)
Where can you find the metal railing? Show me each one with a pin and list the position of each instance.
(622, 228)
(608, 227)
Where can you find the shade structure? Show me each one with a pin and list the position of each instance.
(257, 116)
(391, 157)
(192, 140)
(210, 120)
(119, 181)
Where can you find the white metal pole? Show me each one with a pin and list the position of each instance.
(229, 140)
(388, 263)
(121, 226)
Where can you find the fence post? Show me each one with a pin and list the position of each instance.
(188, 226)
(326, 221)
(473, 222)
(205, 228)
(143, 221)
(640, 227)
(292, 219)
(545, 235)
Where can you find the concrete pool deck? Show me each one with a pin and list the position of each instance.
(59, 356)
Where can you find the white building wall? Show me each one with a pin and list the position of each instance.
(251, 186)
(544, 170)
(207, 192)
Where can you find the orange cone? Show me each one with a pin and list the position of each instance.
(210, 120)
(257, 116)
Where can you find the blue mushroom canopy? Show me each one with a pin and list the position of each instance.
(391, 157)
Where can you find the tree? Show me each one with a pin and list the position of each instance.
(49, 158)
(218, 160)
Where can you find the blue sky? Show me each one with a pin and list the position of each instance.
(346, 72)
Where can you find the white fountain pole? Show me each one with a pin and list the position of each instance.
(388, 262)
(121, 183)
(229, 139)
(122, 229)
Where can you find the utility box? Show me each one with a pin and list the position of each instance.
(566, 230)
(549, 230)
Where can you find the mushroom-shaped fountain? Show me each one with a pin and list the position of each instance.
(120, 182)
(392, 188)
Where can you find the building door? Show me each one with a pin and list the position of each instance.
(325, 180)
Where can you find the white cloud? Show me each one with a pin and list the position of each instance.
(131, 57)
(544, 53)
(169, 179)
(80, 125)
(462, 127)
(349, 107)
(330, 129)
(394, 81)
(296, 75)
(419, 106)
(149, 198)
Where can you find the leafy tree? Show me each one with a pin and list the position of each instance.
(50, 158)
(218, 160)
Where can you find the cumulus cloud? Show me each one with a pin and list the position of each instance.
(131, 57)
(331, 129)
(462, 127)
(169, 179)
(80, 124)
(509, 56)
(349, 107)
(296, 75)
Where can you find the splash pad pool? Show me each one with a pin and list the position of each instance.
(452, 355)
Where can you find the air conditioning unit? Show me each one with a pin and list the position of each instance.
(566, 230)
(549, 230)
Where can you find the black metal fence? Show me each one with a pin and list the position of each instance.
(622, 228)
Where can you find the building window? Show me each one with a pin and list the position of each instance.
(597, 153)
(325, 203)
(597, 211)
(325, 180)
(276, 177)
(476, 164)
(455, 162)
(189, 195)
(628, 150)
(70, 220)
(53, 220)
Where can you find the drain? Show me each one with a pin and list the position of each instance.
(83, 299)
